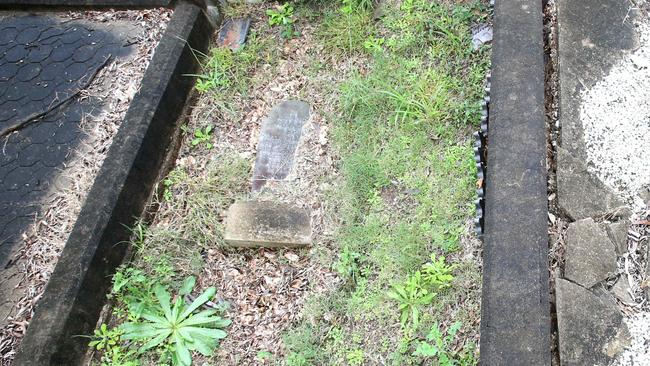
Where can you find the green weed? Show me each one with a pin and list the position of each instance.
(203, 136)
(437, 345)
(225, 73)
(217, 71)
(354, 6)
(348, 265)
(107, 341)
(355, 357)
(177, 326)
(411, 296)
(373, 45)
(346, 33)
(437, 273)
(282, 16)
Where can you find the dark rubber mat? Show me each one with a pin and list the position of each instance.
(44, 63)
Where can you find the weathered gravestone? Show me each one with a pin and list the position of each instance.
(272, 224)
(279, 138)
(233, 33)
(267, 224)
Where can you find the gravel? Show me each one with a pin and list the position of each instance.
(638, 353)
(615, 115)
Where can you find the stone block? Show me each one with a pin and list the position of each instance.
(580, 193)
(590, 255)
(267, 224)
(590, 327)
(621, 290)
(617, 232)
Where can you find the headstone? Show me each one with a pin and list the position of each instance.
(233, 33)
(267, 224)
(590, 327)
(590, 256)
(279, 138)
(580, 193)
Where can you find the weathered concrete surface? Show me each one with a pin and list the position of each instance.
(267, 224)
(515, 319)
(591, 36)
(233, 33)
(590, 327)
(617, 232)
(86, 3)
(581, 194)
(590, 255)
(279, 138)
(76, 292)
(44, 61)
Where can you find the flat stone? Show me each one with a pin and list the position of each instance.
(590, 327)
(621, 290)
(267, 224)
(592, 37)
(580, 193)
(617, 232)
(590, 256)
(233, 33)
(279, 138)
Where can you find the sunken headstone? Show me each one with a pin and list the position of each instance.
(590, 255)
(267, 224)
(279, 138)
(590, 327)
(580, 193)
(233, 33)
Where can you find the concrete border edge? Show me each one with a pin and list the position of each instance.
(515, 309)
(77, 290)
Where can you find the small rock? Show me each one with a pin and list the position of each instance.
(590, 327)
(590, 255)
(267, 224)
(580, 193)
(617, 232)
(481, 35)
(621, 290)
(291, 257)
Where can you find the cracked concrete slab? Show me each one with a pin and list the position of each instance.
(590, 256)
(580, 193)
(590, 326)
